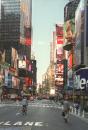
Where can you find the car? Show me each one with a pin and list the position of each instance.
(39, 98)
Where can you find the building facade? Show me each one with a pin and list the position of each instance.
(15, 42)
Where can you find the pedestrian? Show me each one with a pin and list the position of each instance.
(66, 109)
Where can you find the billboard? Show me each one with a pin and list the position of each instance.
(59, 34)
(69, 21)
(15, 82)
(59, 75)
(25, 22)
(14, 58)
(22, 64)
(81, 79)
(69, 31)
(79, 33)
(8, 79)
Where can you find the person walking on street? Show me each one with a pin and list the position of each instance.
(66, 109)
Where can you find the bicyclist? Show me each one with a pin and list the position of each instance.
(24, 104)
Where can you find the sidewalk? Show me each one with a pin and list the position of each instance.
(82, 115)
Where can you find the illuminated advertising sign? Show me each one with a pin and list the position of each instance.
(59, 40)
(81, 79)
(59, 34)
(27, 35)
(59, 30)
(22, 64)
(59, 68)
(59, 52)
(59, 74)
(59, 49)
(15, 82)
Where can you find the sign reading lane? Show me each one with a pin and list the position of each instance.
(20, 123)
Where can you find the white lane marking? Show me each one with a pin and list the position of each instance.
(7, 123)
(36, 105)
(29, 123)
(17, 113)
(20, 123)
(38, 123)
(1, 123)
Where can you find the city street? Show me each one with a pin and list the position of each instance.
(41, 115)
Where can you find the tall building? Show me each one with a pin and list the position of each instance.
(69, 37)
(10, 23)
(15, 41)
(24, 47)
(9, 39)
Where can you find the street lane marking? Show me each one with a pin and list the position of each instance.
(20, 123)
(17, 113)
(36, 105)
(7, 123)
(28, 123)
(38, 124)
(1, 123)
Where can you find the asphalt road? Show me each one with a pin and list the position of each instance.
(41, 115)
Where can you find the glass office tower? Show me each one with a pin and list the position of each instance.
(10, 23)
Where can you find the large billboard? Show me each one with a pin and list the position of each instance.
(81, 79)
(69, 22)
(79, 33)
(86, 34)
(25, 22)
(69, 31)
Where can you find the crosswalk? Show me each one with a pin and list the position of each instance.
(43, 105)
(35, 104)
